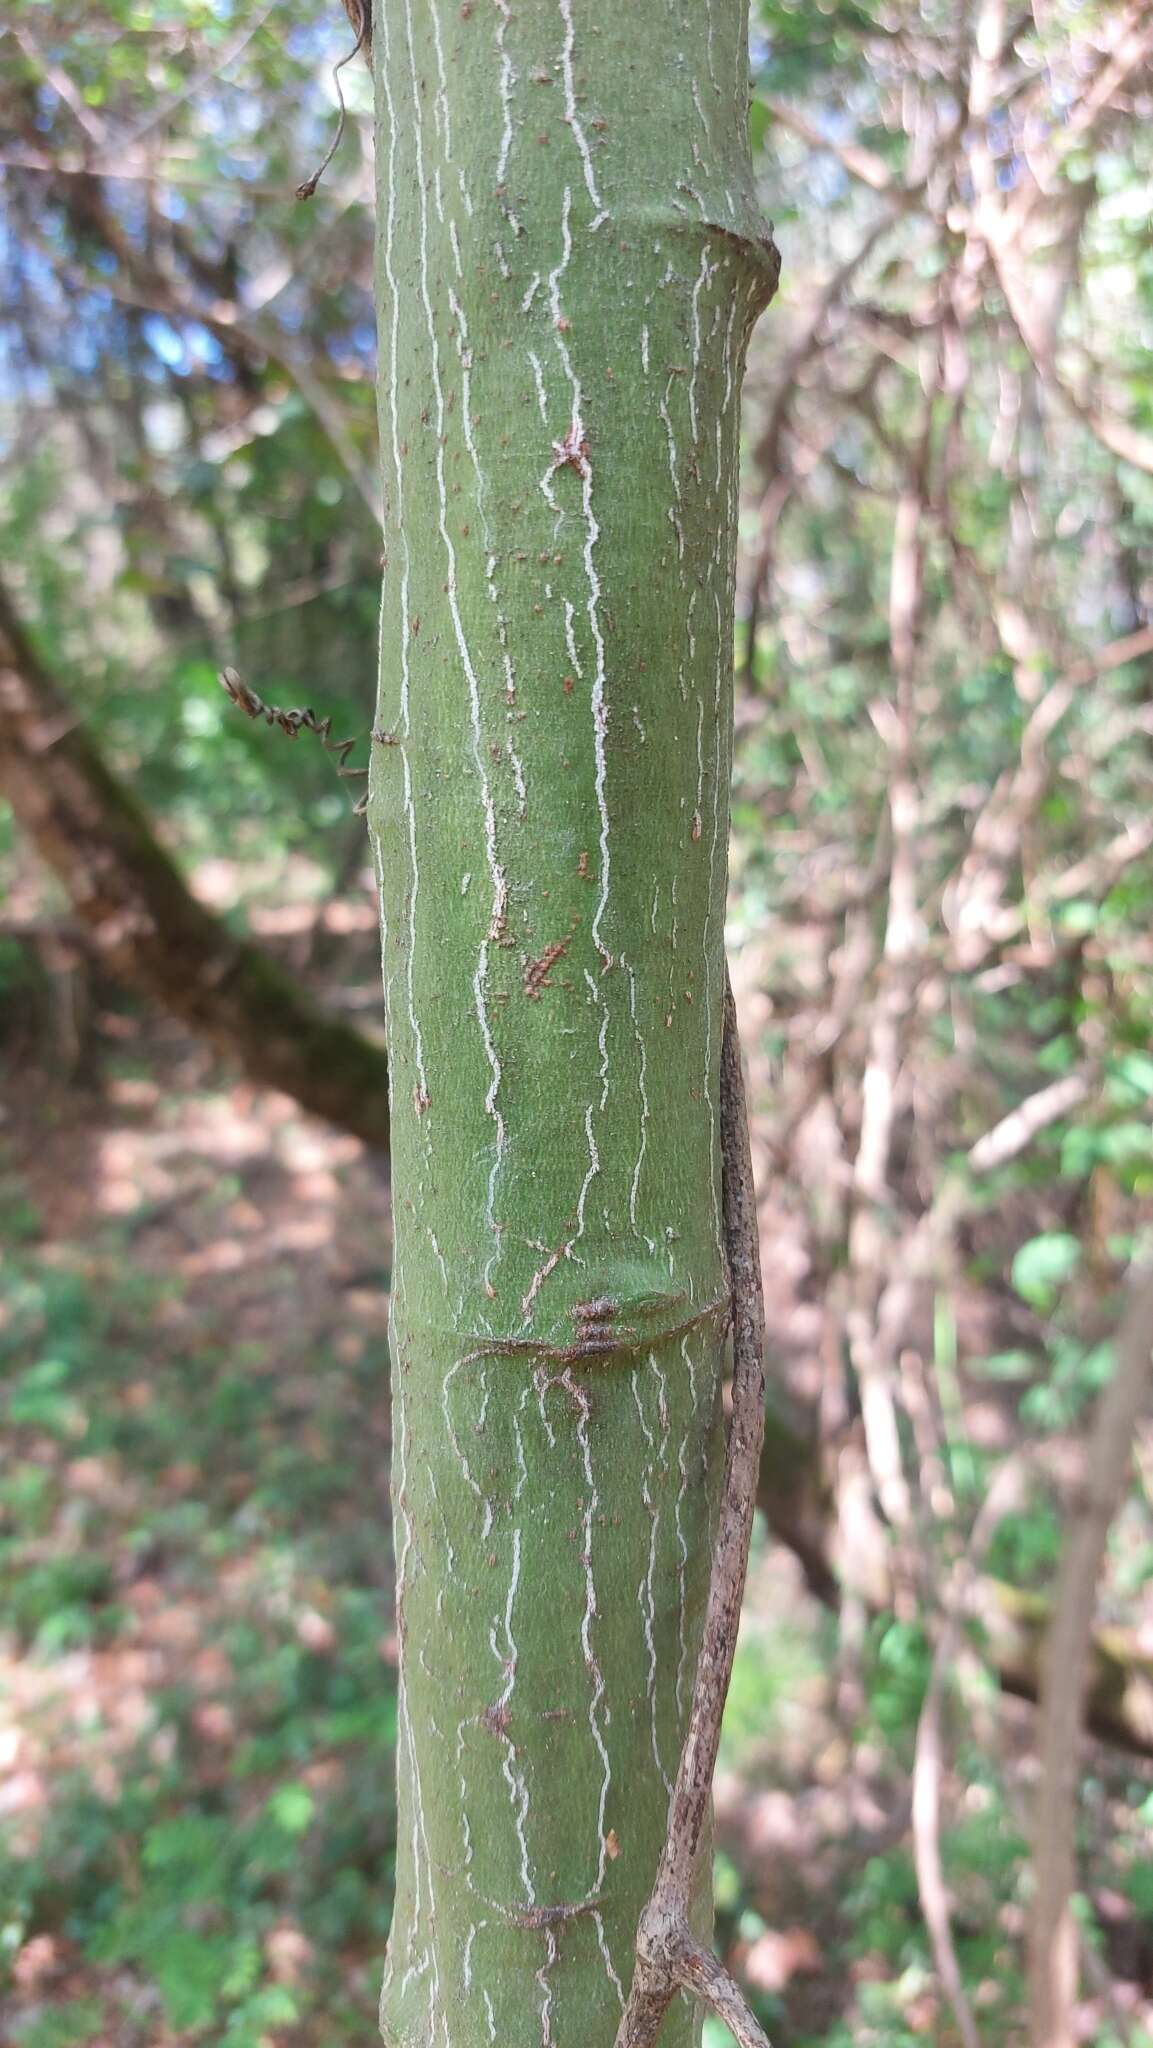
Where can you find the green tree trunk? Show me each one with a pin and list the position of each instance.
(570, 259)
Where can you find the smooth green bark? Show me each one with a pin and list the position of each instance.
(569, 261)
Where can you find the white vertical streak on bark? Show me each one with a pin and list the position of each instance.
(592, 1502)
(570, 640)
(592, 535)
(462, 1460)
(441, 106)
(546, 2033)
(610, 1971)
(646, 1590)
(603, 1048)
(514, 1778)
(712, 64)
(702, 280)
(517, 766)
(542, 1383)
(541, 396)
(507, 81)
(642, 1088)
(572, 117)
(674, 512)
(600, 713)
(465, 1824)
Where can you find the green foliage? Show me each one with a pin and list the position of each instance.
(897, 1671)
(172, 1880)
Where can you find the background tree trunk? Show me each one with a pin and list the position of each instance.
(146, 925)
(570, 261)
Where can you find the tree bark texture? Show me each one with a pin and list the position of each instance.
(570, 259)
(145, 924)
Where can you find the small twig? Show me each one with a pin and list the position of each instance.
(669, 1957)
(291, 722)
(711, 1982)
(1039, 1111)
(360, 14)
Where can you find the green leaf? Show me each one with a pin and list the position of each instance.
(1138, 1885)
(1005, 1365)
(190, 1969)
(292, 1808)
(758, 124)
(1043, 1265)
(1135, 1071)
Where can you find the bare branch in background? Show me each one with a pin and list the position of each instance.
(1001, 222)
(928, 1761)
(1053, 1967)
(871, 1226)
(860, 162)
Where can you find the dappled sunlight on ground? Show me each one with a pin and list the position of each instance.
(197, 1667)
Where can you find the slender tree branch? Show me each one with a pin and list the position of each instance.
(1053, 1968)
(859, 162)
(669, 1956)
(893, 1003)
(703, 1974)
(929, 1753)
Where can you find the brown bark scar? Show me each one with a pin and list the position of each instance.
(536, 973)
(551, 1916)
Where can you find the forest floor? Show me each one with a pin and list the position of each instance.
(197, 1657)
